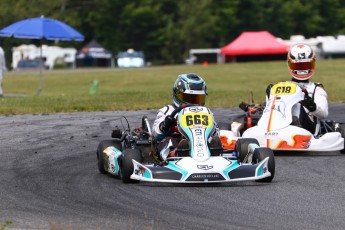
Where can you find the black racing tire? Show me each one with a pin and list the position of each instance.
(127, 164)
(259, 155)
(224, 126)
(342, 131)
(216, 147)
(241, 147)
(102, 161)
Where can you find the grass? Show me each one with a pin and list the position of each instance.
(150, 88)
(3, 226)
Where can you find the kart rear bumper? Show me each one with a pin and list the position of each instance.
(293, 138)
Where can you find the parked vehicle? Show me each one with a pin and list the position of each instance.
(50, 54)
(28, 65)
(130, 58)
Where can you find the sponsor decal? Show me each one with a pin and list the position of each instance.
(205, 167)
(205, 177)
(113, 168)
(199, 147)
(301, 46)
(271, 134)
(200, 144)
(280, 106)
(140, 171)
(265, 169)
(195, 109)
(200, 152)
(198, 132)
(199, 137)
(301, 56)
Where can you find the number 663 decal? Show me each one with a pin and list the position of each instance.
(191, 119)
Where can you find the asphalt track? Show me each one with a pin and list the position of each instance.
(49, 180)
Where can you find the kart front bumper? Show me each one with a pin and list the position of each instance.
(213, 170)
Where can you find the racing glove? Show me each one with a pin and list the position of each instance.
(268, 90)
(244, 106)
(309, 104)
(168, 122)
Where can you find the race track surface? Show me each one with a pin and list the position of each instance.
(49, 180)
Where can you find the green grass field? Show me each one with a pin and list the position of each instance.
(150, 88)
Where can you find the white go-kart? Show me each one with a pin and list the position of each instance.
(278, 130)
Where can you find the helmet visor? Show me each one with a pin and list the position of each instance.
(195, 99)
(310, 65)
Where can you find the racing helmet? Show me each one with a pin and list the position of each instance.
(301, 61)
(189, 89)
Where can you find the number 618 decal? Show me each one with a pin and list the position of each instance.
(192, 119)
(284, 88)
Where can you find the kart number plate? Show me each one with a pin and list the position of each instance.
(284, 88)
(196, 119)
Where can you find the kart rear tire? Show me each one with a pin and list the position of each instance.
(342, 131)
(216, 143)
(127, 164)
(241, 147)
(102, 162)
(259, 155)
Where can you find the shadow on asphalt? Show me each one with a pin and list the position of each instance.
(306, 154)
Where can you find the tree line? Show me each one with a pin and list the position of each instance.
(166, 29)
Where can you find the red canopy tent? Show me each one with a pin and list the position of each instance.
(255, 43)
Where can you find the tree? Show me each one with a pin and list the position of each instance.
(166, 29)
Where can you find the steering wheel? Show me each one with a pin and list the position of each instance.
(177, 110)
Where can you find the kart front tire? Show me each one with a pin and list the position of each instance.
(216, 146)
(342, 131)
(241, 147)
(127, 164)
(101, 159)
(259, 155)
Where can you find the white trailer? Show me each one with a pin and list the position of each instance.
(49, 53)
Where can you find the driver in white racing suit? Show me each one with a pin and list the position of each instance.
(188, 89)
(301, 65)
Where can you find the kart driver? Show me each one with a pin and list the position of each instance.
(301, 65)
(188, 89)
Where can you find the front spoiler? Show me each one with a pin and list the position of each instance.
(213, 170)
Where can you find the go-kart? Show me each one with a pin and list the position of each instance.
(276, 127)
(132, 154)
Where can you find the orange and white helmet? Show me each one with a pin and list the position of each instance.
(301, 61)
